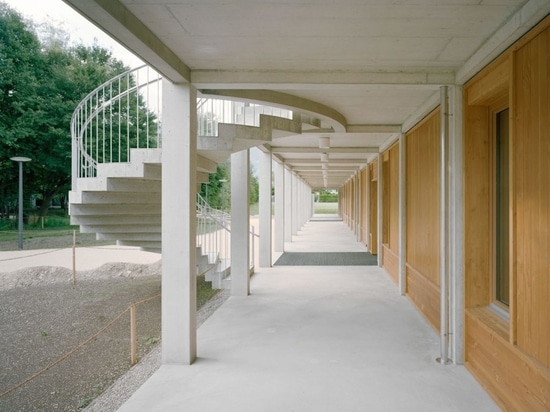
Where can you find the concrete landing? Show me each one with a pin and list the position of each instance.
(315, 339)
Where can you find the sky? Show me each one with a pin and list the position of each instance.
(59, 14)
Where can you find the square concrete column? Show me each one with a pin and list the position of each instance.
(179, 143)
(295, 203)
(240, 224)
(279, 207)
(266, 209)
(288, 205)
(456, 224)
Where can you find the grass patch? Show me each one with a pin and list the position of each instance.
(204, 291)
(325, 208)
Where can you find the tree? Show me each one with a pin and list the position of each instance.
(254, 196)
(19, 55)
(217, 191)
(40, 86)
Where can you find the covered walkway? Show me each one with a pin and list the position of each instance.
(317, 338)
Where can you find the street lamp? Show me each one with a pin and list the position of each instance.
(20, 160)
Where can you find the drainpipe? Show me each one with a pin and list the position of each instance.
(380, 216)
(402, 216)
(444, 229)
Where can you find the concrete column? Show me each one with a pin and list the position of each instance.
(402, 215)
(288, 205)
(279, 223)
(444, 227)
(456, 215)
(294, 216)
(265, 209)
(179, 140)
(357, 206)
(240, 224)
(367, 203)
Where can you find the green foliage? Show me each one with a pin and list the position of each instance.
(40, 86)
(328, 197)
(254, 196)
(152, 340)
(96, 391)
(204, 291)
(217, 192)
(326, 208)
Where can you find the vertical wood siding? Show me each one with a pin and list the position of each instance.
(390, 259)
(477, 251)
(422, 216)
(423, 197)
(511, 358)
(531, 160)
(373, 236)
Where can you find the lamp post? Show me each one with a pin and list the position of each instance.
(20, 160)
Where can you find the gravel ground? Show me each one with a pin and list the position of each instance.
(43, 317)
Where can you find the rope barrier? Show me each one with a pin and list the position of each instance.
(34, 254)
(77, 348)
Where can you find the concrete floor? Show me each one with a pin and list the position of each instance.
(315, 339)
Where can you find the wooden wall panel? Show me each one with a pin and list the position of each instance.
(391, 198)
(477, 252)
(390, 262)
(511, 358)
(423, 187)
(373, 236)
(490, 85)
(394, 199)
(424, 294)
(513, 379)
(531, 181)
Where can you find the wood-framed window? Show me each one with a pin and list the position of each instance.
(500, 115)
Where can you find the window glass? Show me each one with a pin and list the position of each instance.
(502, 203)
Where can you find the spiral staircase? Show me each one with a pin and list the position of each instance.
(117, 156)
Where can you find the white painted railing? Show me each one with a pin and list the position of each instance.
(121, 114)
(125, 112)
(214, 235)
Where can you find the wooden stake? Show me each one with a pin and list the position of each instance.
(133, 337)
(74, 257)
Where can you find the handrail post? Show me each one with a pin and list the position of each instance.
(133, 335)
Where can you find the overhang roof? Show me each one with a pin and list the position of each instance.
(372, 68)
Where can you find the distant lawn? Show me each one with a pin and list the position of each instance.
(56, 232)
(325, 208)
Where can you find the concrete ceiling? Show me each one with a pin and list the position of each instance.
(368, 68)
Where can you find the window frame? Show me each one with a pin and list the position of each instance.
(497, 107)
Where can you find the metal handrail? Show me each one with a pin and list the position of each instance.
(108, 122)
(124, 113)
(214, 233)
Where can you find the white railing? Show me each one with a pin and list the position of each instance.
(121, 114)
(214, 236)
(211, 112)
(125, 113)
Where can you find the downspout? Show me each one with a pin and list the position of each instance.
(357, 206)
(444, 229)
(402, 216)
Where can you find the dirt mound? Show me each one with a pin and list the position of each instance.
(41, 275)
